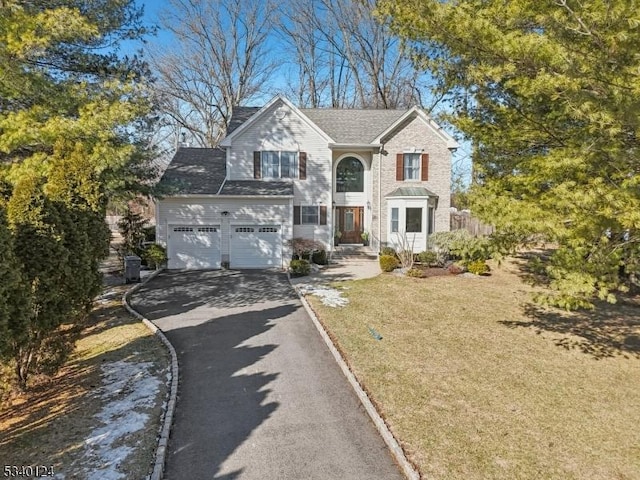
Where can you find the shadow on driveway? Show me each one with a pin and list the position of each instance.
(221, 398)
(260, 395)
(177, 292)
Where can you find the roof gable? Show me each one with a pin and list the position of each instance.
(237, 131)
(417, 112)
(339, 126)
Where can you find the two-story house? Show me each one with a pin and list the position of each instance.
(284, 172)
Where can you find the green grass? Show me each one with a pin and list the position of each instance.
(476, 384)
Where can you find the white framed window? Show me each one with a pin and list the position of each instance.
(395, 220)
(309, 215)
(279, 164)
(411, 165)
(350, 175)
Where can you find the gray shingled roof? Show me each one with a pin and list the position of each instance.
(256, 187)
(239, 115)
(195, 171)
(352, 126)
(201, 171)
(411, 192)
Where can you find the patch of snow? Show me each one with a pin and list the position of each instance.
(328, 296)
(106, 296)
(128, 389)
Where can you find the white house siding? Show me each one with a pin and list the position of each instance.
(314, 232)
(416, 134)
(208, 211)
(280, 128)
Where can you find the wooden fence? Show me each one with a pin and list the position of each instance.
(462, 220)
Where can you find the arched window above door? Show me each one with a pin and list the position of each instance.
(350, 175)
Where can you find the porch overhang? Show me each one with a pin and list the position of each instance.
(411, 192)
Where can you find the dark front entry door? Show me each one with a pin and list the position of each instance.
(350, 223)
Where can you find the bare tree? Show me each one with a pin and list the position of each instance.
(323, 73)
(219, 60)
(348, 57)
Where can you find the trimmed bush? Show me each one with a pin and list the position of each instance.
(319, 257)
(299, 268)
(478, 267)
(414, 272)
(461, 245)
(428, 257)
(388, 251)
(155, 255)
(388, 263)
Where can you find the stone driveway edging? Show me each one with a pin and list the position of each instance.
(163, 439)
(396, 450)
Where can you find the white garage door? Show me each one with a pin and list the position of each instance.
(255, 246)
(194, 247)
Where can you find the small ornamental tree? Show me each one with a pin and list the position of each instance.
(132, 228)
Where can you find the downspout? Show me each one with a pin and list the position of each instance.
(380, 197)
(333, 214)
(227, 169)
(222, 185)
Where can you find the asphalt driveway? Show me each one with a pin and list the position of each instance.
(260, 396)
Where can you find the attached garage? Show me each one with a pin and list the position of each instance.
(194, 247)
(255, 246)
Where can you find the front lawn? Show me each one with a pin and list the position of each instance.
(477, 384)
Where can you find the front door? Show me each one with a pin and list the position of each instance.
(350, 224)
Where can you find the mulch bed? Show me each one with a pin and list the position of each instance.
(432, 271)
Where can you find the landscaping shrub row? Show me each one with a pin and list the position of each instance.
(458, 251)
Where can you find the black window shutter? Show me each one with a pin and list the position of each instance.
(296, 215)
(256, 165)
(323, 214)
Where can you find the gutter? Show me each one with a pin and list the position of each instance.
(215, 195)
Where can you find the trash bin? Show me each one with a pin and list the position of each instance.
(132, 268)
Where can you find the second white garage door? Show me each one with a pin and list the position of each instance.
(194, 247)
(255, 246)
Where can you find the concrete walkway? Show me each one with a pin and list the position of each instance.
(348, 263)
(260, 397)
